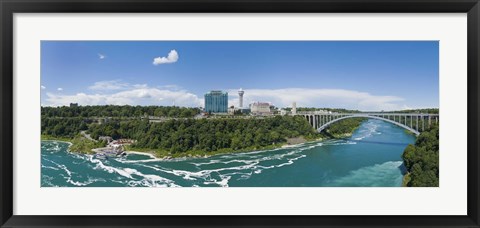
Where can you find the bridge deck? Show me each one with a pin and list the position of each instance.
(368, 113)
(321, 120)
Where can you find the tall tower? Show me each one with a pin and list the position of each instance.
(240, 94)
(294, 108)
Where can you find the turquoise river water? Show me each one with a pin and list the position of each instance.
(370, 157)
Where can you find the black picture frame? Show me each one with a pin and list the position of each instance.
(9, 7)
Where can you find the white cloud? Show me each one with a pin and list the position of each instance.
(60, 89)
(170, 87)
(171, 58)
(140, 86)
(330, 98)
(101, 56)
(119, 93)
(135, 95)
(109, 85)
(43, 87)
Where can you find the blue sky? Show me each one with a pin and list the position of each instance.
(364, 75)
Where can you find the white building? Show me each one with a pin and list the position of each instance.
(231, 110)
(260, 108)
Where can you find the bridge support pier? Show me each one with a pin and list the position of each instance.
(411, 122)
(423, 123)
(417, 123)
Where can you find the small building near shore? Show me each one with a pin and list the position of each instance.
(123, 141)
(107, 139)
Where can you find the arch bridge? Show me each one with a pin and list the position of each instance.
(414, 122)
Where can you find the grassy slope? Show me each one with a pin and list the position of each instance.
(79, 144)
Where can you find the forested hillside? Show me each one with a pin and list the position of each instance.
(180, 136)
(206, 135)
(422, 160)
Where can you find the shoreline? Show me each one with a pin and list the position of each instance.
(165, 155)
(406, 179)
(275, 147)
(80, 146)
(290, 143)
(152, 154)
(143, 153)
(54, 140)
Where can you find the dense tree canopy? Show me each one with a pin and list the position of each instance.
(68, 127)
(119, 111)
(424, 110)
(178, 136)
(421, 159)
(344, 127)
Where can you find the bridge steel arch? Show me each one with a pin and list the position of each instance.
(321, 128)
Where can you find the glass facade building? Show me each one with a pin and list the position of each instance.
(216, 102)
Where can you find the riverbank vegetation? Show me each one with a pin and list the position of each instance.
(81, 144)
(182, 136)
(204, 136)
(421, 160)
(343, 128)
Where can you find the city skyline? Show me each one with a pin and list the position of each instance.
(325, 74)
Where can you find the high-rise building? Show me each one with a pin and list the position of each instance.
(294, 108)
(240, 94)
(216, 101)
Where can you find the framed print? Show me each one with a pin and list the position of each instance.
(256, 114)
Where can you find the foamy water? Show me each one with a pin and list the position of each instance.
(371, 157)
